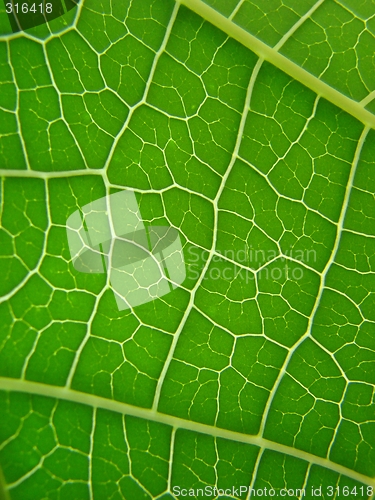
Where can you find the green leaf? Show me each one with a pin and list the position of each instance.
(247, 126)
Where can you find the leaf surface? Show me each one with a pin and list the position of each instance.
(248, 128)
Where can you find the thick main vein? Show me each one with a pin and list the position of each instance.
(63, 393)
(271, 55)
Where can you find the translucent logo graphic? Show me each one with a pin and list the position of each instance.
(109, 236)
